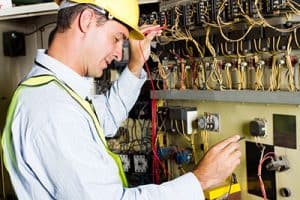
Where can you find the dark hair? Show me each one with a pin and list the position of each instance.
(51, 36)
(66, 16)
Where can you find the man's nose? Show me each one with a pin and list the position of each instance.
(118, 53)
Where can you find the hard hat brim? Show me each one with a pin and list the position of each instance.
(134, 32)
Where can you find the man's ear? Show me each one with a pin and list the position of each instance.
(85, 19)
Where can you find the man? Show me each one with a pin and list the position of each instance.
(53, 143)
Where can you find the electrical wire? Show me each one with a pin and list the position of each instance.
(163, 70)
(259, 71)
(229, 188)
(183, 75)
(196, 157)
(200, 76)
(41, 28)
(296, 38)
(174, 34)
(182, 131)
(215, 76)
(274, 74)
(204, 139)
(174, 77)
(263, 158)
(156, 161)
(267, 24)
(292, 5)
(289, 65)
(228, 79)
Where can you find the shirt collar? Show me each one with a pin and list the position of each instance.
(81, 85)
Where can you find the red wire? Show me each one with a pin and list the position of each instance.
(158, 28)
(156, 161)
(155, 29)
(268, 155)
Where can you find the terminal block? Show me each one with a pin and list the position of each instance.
(126, 161)
(209, 121)
(279, 164)
(141, 163)
(176, 119)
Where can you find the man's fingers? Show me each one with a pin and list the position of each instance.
(232, 147)
(227, 141)
(147, 29)
(152, 34)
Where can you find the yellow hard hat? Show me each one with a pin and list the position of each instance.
(126, 11)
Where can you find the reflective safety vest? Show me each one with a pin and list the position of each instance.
(43, 80)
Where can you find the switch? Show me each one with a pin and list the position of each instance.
(279, 164)
(13, 44)
(210, 122)
(125, 162)
(140, 163)
(285, 192)
(258, 127)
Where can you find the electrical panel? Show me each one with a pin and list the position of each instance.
(176, 119)
(227, 46)
(209, 121)
(209, 51)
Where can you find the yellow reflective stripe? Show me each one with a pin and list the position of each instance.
(41, 80)
(38, 80)
(44, 79)
(6, 140)
(118, 160)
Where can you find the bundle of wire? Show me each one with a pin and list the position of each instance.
(156, 163)
(263, 158)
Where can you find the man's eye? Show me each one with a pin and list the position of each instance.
(116, 40)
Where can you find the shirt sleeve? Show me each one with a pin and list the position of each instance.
(80, 170)
(113, 107)
(71, 163)
(184, 187)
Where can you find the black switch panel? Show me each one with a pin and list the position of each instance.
(13, 44)
(284, 128)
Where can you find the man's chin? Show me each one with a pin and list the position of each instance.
(99, 74)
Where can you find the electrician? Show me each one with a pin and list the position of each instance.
(54, 141)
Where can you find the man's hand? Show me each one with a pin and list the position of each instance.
(140, 49)
(219, 162)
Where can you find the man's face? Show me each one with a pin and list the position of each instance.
(103, 44)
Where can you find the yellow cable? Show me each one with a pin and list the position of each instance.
(196, 157)
(183, 75)
(204, 139)
(259, 78)
(228, 76)
(242, 76)
(274, 74)
(296, 38)
(290, 66)
(266, 24)
(200, 75)
(182, 133)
